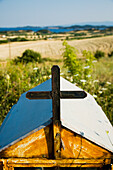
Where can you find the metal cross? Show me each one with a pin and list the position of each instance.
(56, 95)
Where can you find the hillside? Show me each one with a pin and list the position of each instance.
(53, 48)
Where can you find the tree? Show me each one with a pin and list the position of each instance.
(29, 56)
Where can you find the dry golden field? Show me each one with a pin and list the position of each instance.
(54, 48)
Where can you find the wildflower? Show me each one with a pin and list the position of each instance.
(71, 78)
(89, 75)
(94, 61)
(7, 77)
(107, 131)
(87, 59)
(100, 92)
(95, 96)
(108, 83)
(104, 88)
(61, 73)
(36, 68)
(68, 77)
(83, 81)
(69, 71)
(76, 75)
(44, 77)
(95, 81)
(87, 67)
(50, 76)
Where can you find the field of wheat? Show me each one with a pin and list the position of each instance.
(54, 48)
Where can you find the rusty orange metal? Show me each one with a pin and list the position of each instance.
(35, 151)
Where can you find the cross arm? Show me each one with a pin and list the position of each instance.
(39, 95)
(50, 94)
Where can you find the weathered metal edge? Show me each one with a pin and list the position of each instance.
(29, 133)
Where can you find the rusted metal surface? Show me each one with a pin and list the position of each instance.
(75, 146)
(37, 144)
(111, 167)
(57, 139)
(56, 111)
(73, 94)
(56, 92)
(63, 95)
(17, 162)
(1, 165)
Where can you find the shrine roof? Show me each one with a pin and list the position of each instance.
(83, 116)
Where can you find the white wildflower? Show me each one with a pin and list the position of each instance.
(104, 88)
(7, 77)
(61, 74)
(89, 75)
(100, 92)
(36, 68)
(95, 81)
(50, 76)
(76, 75)
(44, 77)
(68, 77)
(94, 61)
(86, 67)
(87, 59)
(95, 96)
(71, 78)
(108, 83)
(83, 81)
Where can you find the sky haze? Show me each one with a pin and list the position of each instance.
(53, 12)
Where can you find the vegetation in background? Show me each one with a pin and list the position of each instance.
(15, 80)
(87, 73)
(99, 54)
(29, 56)
(110, 54)
(77, 68)
(90, 75)
(17, 39)
(70, 59)
(79, 32)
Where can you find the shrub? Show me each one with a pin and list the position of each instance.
(29, 56)
(110, 54)
(80, 34)
(70, 59)
(99, 54)
(3, 41)
(17, 39)
(78, 69)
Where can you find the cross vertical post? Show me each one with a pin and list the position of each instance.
(56, 111)
(56, 95)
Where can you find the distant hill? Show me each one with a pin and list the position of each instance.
(58, 29)
(105, 23)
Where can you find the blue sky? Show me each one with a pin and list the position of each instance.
(53, 12)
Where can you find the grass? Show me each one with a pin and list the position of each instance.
(104, 69)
